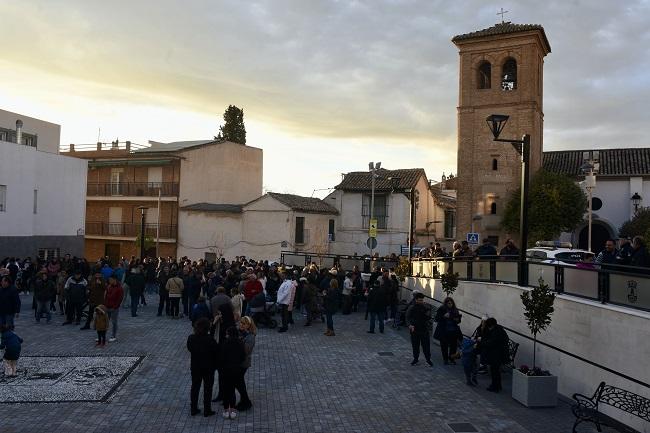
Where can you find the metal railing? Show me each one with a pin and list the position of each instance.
(609, 284)
(100, 228)
(347, 263)
(95, 147)
(133, 189)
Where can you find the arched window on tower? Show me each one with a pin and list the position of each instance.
(485, 76)
(509, 75)
(493, 208)
(495, 164)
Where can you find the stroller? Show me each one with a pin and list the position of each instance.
(260, 312)
(400, 317)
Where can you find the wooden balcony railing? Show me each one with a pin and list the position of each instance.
(133, 189)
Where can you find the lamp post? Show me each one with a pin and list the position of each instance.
(142, 217)
(373, 167)
(636, 201)
(589, 168)
(496, 123)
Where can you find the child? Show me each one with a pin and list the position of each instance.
(11, 343)
(237, 300)
(101, 325)
(468, 358)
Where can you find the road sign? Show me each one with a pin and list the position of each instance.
(372, 243)
(472, 238)
(372, 228)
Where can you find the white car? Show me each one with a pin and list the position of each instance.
(557, 255)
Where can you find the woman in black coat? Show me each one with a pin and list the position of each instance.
(447, 330)
(231, 356)
(203, 350)
(331, 305)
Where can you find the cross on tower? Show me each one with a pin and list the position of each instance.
(502, 13)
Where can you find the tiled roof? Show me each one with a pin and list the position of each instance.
(613, 162)
(501, 29)
(304, 204)
(156, 146)
(213, 207)
(362, 180)
(443, 199)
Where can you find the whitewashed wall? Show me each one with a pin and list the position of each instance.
(611, 336)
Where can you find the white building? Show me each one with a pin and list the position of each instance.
(434, 218)
(42, 194)
(260, 229)
(621, 174)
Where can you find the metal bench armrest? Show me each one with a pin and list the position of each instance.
(584, 401)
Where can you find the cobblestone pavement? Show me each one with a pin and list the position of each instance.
(300, 381)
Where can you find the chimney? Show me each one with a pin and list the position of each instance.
(128, 146)
(19, 131)
(71, 147)
(99, 145)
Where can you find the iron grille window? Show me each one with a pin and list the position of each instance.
(3, 198)
(330, 231)
(450, 224)
(380, 212)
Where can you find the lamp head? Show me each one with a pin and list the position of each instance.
(636, 199)
(496, 123)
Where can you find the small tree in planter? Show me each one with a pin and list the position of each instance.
(403, 269)
(536, 387)
(538, 308)
(449, 282)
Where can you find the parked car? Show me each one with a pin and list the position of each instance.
(557, 253)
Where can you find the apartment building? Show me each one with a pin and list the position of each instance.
(127, 180)
(42, 193)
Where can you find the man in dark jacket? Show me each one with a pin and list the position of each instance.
(494, 348)
(135, 281)
(418, 319)
(486, 250)
(510, 250)
(96, 293)
(75, 289)
(9, 302)
(377, 304)
(163, 294)
(44, 291)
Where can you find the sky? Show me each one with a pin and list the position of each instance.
(326, 86)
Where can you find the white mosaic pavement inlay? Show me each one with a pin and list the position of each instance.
(66, 378)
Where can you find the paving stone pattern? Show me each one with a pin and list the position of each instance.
(300, 381)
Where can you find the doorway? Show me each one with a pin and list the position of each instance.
(599, 235)
(112, 251)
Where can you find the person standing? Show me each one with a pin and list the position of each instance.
(252, 287)
(494, 347)
(163, 294)
(112, 300)
(136, 284)
(175, 287)
(509, 250)
(284, 298)
(232, 355)
(11, 343)
(418, 319)
(9, 302)
(447, 330)
(347, 294)
(44, 291)
(96, 295)
(609, 255)
(248, 331)
(331, 305)
(203, 352)
(75, 289)
(377, 304)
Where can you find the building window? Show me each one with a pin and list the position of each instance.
(495, 164)
(330, 232)
(380, 212)
(49, 253)
(450, 224)
(485, 76)
(3, 198)
(509, 76)
(3, 136)
(300, 230)
(493, 209)
(35, 201)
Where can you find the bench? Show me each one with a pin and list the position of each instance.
(586, 409)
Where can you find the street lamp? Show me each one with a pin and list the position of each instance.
(636, 201)
(143, 210)
(589, 168)
(496, 123)
(373, 167)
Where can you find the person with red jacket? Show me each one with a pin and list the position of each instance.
(252, 288)
(112, 301)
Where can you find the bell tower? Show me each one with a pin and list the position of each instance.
(501, 72)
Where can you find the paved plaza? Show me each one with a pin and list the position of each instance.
(300, 381)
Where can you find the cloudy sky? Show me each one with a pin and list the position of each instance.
(326, 86)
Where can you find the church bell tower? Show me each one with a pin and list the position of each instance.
(501, 72)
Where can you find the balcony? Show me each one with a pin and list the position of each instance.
(128, 230)
(132, 189)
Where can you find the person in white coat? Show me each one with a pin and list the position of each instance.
(284, 299)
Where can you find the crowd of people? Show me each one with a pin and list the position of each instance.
(225, 302)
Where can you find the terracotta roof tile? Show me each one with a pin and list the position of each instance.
(502, 28)
(613, 162)
(304, 204)
(362, 180)
(213, 207)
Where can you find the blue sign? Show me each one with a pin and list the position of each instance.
(472, 238)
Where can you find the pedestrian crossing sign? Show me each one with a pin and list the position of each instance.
(472, 238)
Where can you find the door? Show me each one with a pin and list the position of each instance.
(115, 221)
(154, 178)
(112, 251)
(116, 181)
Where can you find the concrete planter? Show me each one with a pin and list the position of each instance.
(534, 391)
